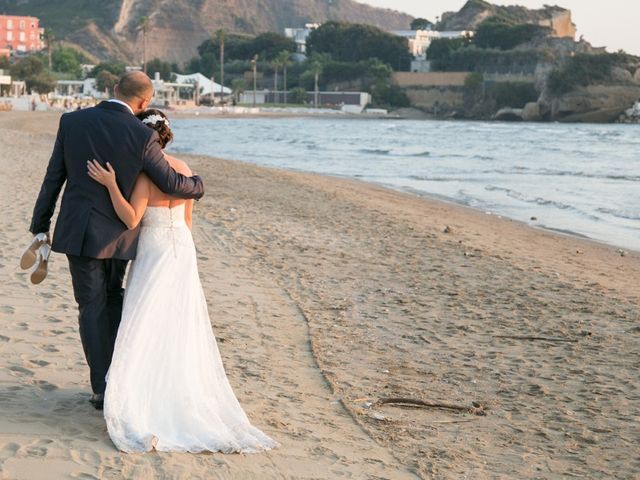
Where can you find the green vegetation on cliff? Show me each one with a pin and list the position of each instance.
(497, 33)
(584, 69)
(354, 42)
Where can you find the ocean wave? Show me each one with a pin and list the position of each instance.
(520, 170)
(374, 151)
(545, 202)
(425, 178)
(620, 213)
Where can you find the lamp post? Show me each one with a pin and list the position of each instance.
(254, 66)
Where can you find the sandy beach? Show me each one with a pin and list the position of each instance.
(515, 349)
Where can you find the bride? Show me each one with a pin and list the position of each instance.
(167, 388)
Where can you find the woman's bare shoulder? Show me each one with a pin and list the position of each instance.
(178, 165)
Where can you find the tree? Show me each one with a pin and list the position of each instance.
(495, 32)
(31, 69)
(298, 95)
(237, 87)
(67, 60)
(162, 67)
(353, 42)
(27, 67)
(220, 36)
(421, 24)
(49, 37)
(244, 47)
(440, 49)
(143, 25)
(42, 83)
(105, 81)
(283, 60)
(115, 68)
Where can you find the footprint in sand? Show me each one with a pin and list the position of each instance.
(37, 451)
(9, 450)
(48, 348)
(24, 371)
(4, 339)
(46, 386)
(7, 309)
(39, 363)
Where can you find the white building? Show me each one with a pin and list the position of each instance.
(299, 35)
(419, 41)
(78, 88)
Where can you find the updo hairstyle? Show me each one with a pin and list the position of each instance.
(157, 120)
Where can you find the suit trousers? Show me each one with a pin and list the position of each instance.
(97, 287)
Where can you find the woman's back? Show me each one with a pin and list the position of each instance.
(159, 199)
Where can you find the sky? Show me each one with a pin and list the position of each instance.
(612, 23)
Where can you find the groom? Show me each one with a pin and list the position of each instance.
(97, 244)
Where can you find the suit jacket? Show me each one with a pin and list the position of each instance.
(87, 224)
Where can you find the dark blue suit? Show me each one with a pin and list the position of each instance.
(88, 229)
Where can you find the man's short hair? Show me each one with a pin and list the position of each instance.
(135, 84)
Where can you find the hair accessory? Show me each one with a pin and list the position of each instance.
(155, 118)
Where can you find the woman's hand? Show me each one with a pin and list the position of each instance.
(99, 174)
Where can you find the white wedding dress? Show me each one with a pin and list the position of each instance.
(167, 388)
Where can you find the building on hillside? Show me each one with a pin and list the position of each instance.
(299, 35)
(419, 41)
(21, 34)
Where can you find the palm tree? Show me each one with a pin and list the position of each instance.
(49, 37)
(283, 60)
(315, 68)
(220, 34)
(143, 25)
(276, 65)
(237, 87)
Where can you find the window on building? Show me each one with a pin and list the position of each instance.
(9, 24)
(10, 36)
(22, 36)
(33, 25)
(21, 24)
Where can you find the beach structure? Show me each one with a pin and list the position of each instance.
(78, 88)
(325, 99)
(5, 83)
(207, 89)
(21, 34)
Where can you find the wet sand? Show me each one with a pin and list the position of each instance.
(327, 295)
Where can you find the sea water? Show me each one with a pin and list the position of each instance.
(578, 178)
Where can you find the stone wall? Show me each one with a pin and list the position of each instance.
(436, 100)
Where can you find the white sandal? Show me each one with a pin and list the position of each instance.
(39, 272)
(30, 255)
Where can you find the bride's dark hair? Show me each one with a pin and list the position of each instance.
(157, 120)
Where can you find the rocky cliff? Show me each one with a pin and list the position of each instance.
(176, 27)
(475, 11)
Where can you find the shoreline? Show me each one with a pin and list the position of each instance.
(328, 294)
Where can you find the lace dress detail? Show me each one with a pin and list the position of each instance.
(167, 388)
